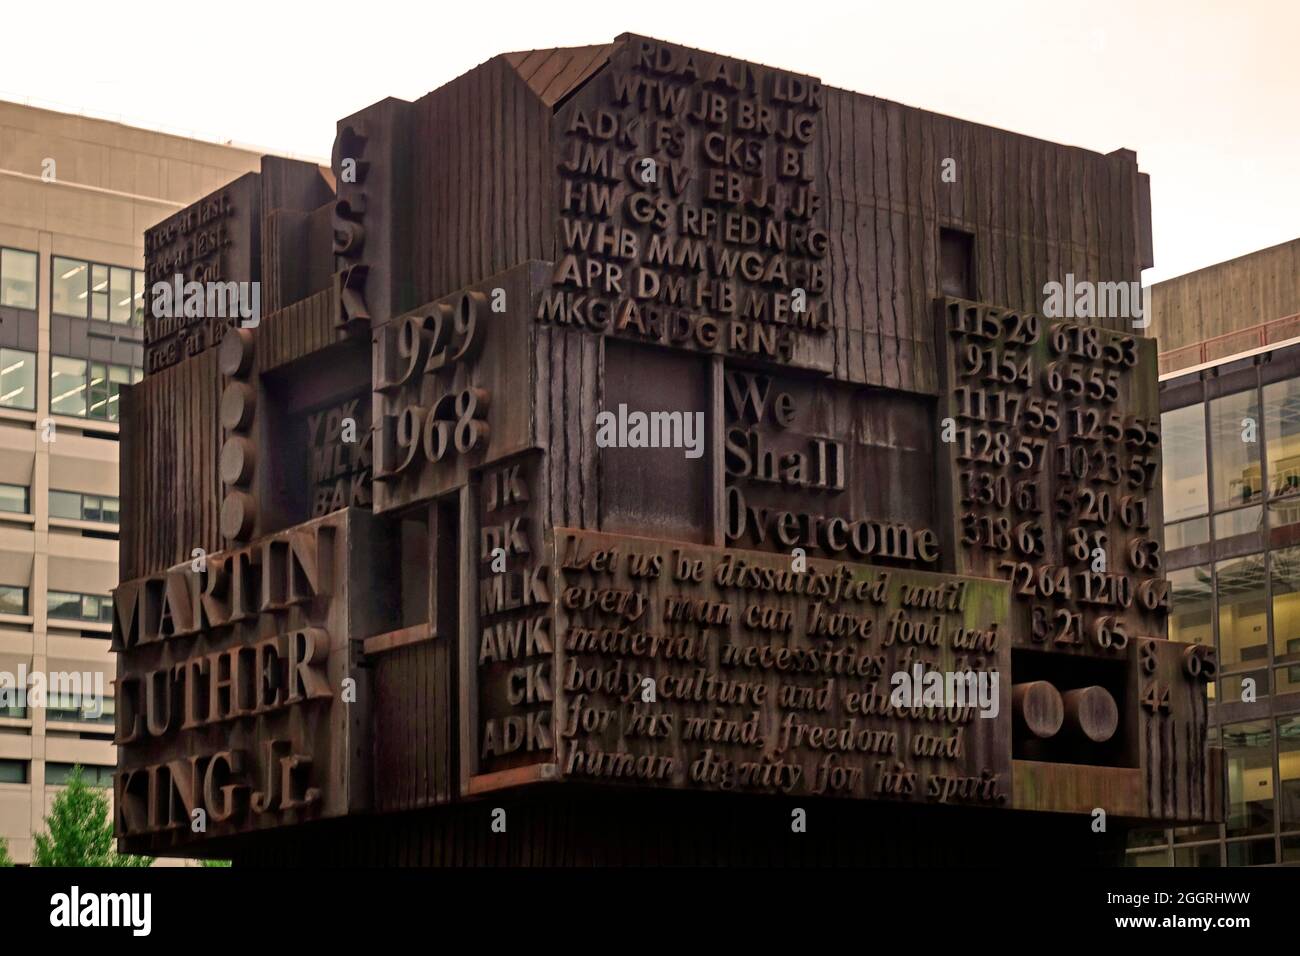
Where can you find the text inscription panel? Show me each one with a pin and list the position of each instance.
(697, 667)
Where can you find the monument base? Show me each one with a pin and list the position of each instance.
(548, 827)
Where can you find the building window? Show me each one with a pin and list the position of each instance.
(13, 700)
(1243, 611)
(78, 709)
(13, 600)
(1287, 679)
(106, 382)
(1183, 440)
(67, 386)
(18, 278)
(1284, 574)
(1149, 858)
(63, 707)
(1282, 432)
(1251, 853)
(1236, 688)
(119, 295)
(13, 771)
(1187, 534)
(99, 292)
(1234, 447)
(1231, 524)
(137, 309)
(93, 290)
(1249, 752)
(1144, 839)
(1190, 594)
(78, 507)
(1288, 771)
(15, 499)
(17, 379)
(69, 285)
(1207, 854)
(1284, 512)
(71, 606)
(88, 389)
(58, 774)
(1191, 616)
(1197, 834)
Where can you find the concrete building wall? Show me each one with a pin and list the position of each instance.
(1227, 308)
(83, 189)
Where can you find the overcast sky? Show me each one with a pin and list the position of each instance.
(1206, 91)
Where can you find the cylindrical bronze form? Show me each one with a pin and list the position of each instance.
(1038, 707)
(238, 513)
(1092, 713)
(236, 353)
(237, 456)
(237, 404)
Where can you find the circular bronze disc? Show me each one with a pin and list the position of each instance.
(237, 515)
(236, 352)
(237, 403)
(237, 460)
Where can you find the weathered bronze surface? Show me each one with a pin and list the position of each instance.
(637, 420)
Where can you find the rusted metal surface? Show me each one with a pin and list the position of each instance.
(239, 691)
(679, 433)
(1091, 712)
(1039, 707)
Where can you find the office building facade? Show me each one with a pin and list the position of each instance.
(1230, 408)
(75, 197)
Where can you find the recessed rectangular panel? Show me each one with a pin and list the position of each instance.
(652, 436)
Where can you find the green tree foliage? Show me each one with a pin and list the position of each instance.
(4, 853)
(81, 831)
